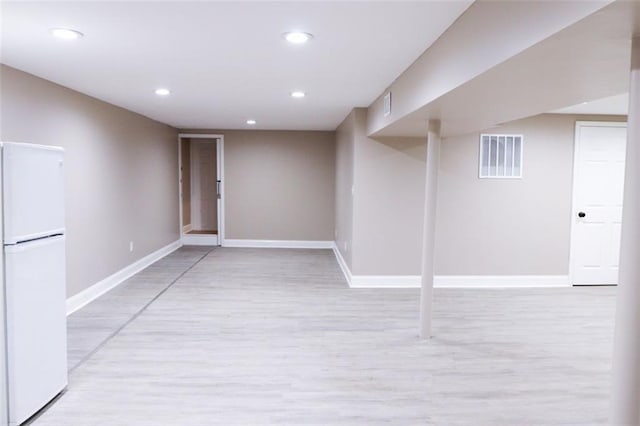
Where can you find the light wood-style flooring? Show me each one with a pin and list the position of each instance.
(276, 337)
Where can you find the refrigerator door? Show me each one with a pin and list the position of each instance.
(35, 325)
(3, 361)
(33, 185)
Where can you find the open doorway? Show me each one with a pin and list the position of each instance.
(201, 173)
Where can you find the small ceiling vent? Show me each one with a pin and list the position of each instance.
(387, 104)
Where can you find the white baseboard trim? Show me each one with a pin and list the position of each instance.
(80, 300)
(385, 281)
(450, 281)
(343, 265)
(374, 281)
(200, 240)
(460, 281)
(279, 244)
(187, 228)
(501, 281)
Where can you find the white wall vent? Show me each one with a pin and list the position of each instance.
(387, 104)
(500, 156)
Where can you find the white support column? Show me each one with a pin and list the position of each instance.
(625, 403)
(428, 242)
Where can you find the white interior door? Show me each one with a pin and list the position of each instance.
(597, 208)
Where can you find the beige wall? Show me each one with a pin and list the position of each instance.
(508, 226)
(379, 227)
(345, 141)
(185, 159)
(279, 185)
(121, 174)
(388, 203)
(484, 226)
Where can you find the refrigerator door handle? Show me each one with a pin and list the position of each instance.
(27, 245)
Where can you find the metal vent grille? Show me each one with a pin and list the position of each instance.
(500, 156)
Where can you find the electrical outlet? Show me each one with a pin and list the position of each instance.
(130, 246)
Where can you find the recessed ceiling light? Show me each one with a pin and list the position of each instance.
(297, 37)
(66, 33)
(251, 122)
(298, 94)
(163, 92)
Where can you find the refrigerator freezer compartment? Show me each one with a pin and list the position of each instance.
(33, 186)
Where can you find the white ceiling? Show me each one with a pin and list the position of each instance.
(226, 62)
(612, 105)
(588, 60)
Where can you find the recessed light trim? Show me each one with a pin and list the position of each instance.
(297, 37)
(162, 92)
(251, 122)
(298, 94)
(66, 33)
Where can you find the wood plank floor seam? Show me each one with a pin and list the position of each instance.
(136, 314)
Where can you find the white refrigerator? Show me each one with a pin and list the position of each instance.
(35, 344)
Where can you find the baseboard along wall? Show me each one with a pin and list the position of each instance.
(78, 301)
(302, 244)
(449, 281)
(200, 239)
(88, 295)
(343, 264)
(501, 281)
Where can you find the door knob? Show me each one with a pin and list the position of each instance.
(582, 214)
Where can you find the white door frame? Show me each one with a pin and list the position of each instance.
(220, 177)
(574, 201)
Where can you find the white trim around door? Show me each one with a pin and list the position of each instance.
(221, 190)
(218, 239)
